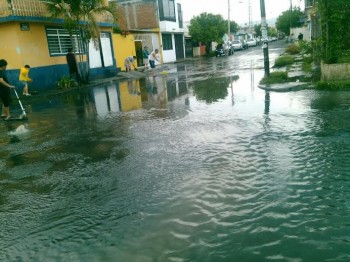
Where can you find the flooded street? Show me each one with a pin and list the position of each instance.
(195, 165)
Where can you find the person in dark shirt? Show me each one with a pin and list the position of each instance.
(72, 64)
(5, 87)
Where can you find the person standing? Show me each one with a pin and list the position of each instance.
(72, 65)
(145, 57)
(300, 36)
(5, 87)
(24, 79)
(128, 62)
(153, 57)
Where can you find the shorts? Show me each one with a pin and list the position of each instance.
(5, 96)
(152, 63)
(145, 61)
(24, 83)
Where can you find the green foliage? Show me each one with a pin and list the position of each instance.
(284, 60)
(233, 27)
(65, 83)
(288, 19)
(275, 78)
(306, 66)
(293, 49)
(211, 54)
(335, 29)
(333, 85)
(257, 29)
(345, 58)
(305, 47)
(117, 30)
(272, 32)
(207, 28)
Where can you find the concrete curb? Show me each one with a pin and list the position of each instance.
(284, 87)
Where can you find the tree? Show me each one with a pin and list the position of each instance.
(289, 19)
(335, 29)
(207, 28)
(233, 27)
(80, 17)
(257, 30)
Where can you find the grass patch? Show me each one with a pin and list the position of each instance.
(306, 66)
(293, 49)
(284, 60)
(275, 78)
(333, 85)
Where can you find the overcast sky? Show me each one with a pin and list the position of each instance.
(239, 8)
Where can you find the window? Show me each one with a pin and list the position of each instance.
(167, 10)
(179, 15)
(59, 41)
(167, 42)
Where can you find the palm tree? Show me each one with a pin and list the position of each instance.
(80, 16)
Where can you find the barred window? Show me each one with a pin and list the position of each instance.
(167, 10)
(167, 42)
(59, 41)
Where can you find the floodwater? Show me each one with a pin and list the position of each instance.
(177, 168)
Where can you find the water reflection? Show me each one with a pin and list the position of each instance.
(151, 92)
(214, 89)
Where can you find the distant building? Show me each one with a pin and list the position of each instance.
(156, 24)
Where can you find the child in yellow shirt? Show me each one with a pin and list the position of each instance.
(24, 78)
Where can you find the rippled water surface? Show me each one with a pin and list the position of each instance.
(177, 169)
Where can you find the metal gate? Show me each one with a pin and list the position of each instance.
(179, 46)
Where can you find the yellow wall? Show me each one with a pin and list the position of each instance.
(130, 95)
(26, 47)
(123, 47)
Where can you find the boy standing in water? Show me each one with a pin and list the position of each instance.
(5, 90)
(24, 79)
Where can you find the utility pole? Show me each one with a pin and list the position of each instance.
(264, 36)
(290, 17)
(228, 21)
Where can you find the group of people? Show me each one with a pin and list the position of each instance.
(5, 87)
(148, 59)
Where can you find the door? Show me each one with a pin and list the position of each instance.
(188, 47)
(179, 46)
(139, 56)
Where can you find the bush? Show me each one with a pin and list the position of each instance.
(284, 61)
(305, 47)
(293, 49)
(65, 83)
(275, 78)
(333, 85)
(345, 56)
(211, 54)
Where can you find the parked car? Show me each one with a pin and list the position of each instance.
(219, 51)
(237, 45)
(231, 49)
(245, 45)
(252, 42)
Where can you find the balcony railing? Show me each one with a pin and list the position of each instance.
(33, 8)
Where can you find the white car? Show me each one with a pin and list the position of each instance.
(237, 45)
(251, 42)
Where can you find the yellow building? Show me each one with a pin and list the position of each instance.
(31, 36)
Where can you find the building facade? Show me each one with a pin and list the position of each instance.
(31, 36)
(155, 24)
